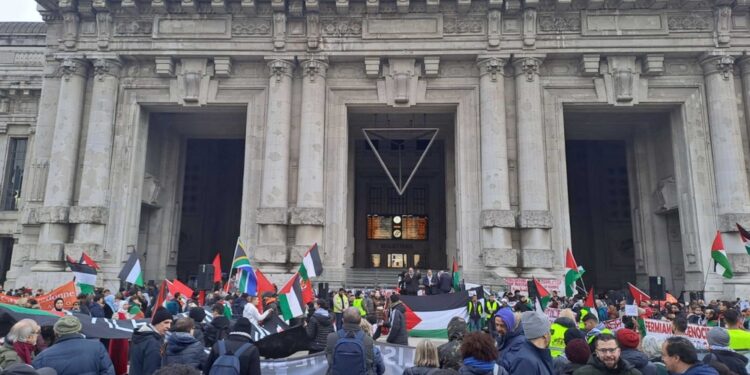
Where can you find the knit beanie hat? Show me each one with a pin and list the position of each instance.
(628, 338)
(506, 314)
(578, 351)
(717, 337)
(66, 325)
(243, 325)
(572, 334)
(161, 315)
(534, 324)
(197, 314)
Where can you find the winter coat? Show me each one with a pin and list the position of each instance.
(596, 367)
(218, 329)
(318, 328)
(398, 334)
(701, 369)
(569, 368)
(445, 282)
(249, 360)
(734, 361)
(368, 343)
(639, 360)
(412, 283)
(96, 310)
(8, 355)
(450, 353)
(378, 364)
(529, 360)
(75, 355)
(472, 366)
(199, 332)
(418, 370)
(145, 351)
(185, 349)
(509, 345)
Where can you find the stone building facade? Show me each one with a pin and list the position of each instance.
(170, 127)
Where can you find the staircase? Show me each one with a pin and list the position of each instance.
(369, 278)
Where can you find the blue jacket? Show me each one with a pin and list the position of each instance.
(701, 369)
(529, 360)
(185, 349)
(96, 310)
(145, 351)
(508, 345)
(75, 355)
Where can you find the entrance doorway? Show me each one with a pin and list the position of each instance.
(400, 220)
(211, 197)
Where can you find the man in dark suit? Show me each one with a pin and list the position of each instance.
(412, 279)
(430, 283)
(445, 282)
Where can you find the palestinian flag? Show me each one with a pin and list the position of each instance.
(542, 296)
(290, 299)
(86, 259)
(638, 295)
(85, 277)
(571, 275)
(240, 259)
(456, 276)
(428, 316)
(745, 236)
(719, 255)
(590, 304)
(132, 272)
(311, 265)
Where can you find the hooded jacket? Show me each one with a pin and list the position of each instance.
(529, 360)
(509, 344)
(75, 355)
(185, 349)
(318, 328)
(639, 360)
(449, 353)
(734, 361)
(218, 329)
(597, 367)
(398, 334)
(145, 351)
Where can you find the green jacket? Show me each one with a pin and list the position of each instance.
(8, 356)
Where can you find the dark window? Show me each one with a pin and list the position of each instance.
(6, 252)
(14, 173)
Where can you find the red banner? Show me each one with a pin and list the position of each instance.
(67, 292)
(8, 299)
(512, 284)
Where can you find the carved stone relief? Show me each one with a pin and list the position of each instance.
(133, 27)
(567, 22)
(251, 27)
(690, 22)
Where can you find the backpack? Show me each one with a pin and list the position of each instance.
(228, 363)
(349, 355)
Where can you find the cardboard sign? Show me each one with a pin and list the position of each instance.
(67, 292)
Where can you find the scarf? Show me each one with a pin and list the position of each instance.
(479, 365)
(24, 350)
(110, 301)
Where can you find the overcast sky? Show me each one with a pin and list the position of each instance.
(18, 10)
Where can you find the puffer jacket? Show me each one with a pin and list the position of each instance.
(318, 328)
(145, 351)
(639, 360)
(185, 349)
(75, 355)
(734, 361)
(398, 333)
(597, 367)
(218, 329)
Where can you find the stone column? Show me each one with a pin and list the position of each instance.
(732, 193)
(63, 160)
(308, 215)
(497, 217)
(272, 214)
(91, 212)
(535, 220)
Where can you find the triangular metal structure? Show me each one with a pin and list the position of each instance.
(421, 133)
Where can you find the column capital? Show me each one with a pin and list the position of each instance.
(73, 65)
(492, 65)
(107, 66)
(717, 64)
(280, 67)
(313, 68)
(744, 63)
(528, 65)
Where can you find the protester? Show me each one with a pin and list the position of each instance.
(250, 311)
(240, 344)
(59, 305)
(397, 333)
(319, 327)
(679, 326)
(558, 329)
(96, 306)
(680, 357)
(177, 369)
(19, 343)
(490, 307)
(183, 347)
(577, 353)
(218, 329)
(629, 341)
(510, 335)
(449, 353)
(359, 303)
(411, 281)
(533, 357)
(561, 361)
(24, 369)
(445, 283)
(344, 347)
(475, 311)
(425, 359)
(651, 346)
(606, 359)
(718, 346)
(739, 338)
(430, 282)
(378, 364)
(479, 355)
(72, 353)
(146, 343)
(340, 303)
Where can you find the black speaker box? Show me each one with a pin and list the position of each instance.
(205, 277)
(656, 288)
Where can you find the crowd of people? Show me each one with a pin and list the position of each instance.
(499, 334)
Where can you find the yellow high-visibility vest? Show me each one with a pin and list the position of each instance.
(557, 341)
(358, 304)
(739, 339)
